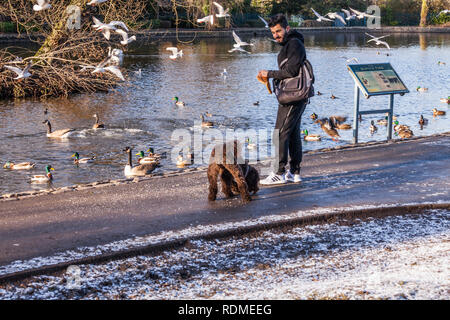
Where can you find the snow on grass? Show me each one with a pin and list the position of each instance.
(193, 231)
(396, 257)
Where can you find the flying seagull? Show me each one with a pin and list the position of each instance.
(113, 69)
(238, 49)
(21, 74)
(265, 22)
(319, 17)
(361, 15)
(95, 2)
(207, 19)
(42, 5)
(106, 28)
(124, 35)
(239, 42)
(335, 15)
(350, 16)
(222, 13)
(378, 41)
(175, 53)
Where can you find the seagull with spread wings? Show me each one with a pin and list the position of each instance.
(21, 74)
(125, 39)
(113, 69)
(175, 53)
(238, 49)
(378, 41)
(106, 28)
(350, 16)
(335, 15)
(222, 13)
(208, 19)
(319, 17)
(95, 2)
(239, 42)
(361, 15)
(42, 5)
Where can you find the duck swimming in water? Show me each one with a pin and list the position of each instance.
(40, 178)
(19, 166)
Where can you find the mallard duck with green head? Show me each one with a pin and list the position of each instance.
(310, 137)
(445, 100)
(40, 178)
(421, 89)
(250, 144)
(178, 102)
(139, 170)
(143, 159)
(19, 166)
(79, 160)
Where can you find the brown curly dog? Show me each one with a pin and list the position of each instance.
(235, 174)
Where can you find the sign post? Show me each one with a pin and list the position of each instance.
(375, 80)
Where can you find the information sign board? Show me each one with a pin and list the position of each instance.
(377, 79)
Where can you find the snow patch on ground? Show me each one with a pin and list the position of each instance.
(396, 257)
(195, 231)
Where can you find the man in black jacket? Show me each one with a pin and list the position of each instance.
(290, 60)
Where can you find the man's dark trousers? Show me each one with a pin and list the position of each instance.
(290, 142)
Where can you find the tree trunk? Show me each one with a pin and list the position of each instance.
(424, 13)
(60, 32)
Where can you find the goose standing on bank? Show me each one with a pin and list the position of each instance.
(140, 170)
(62, 133)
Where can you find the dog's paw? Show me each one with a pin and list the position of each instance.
(212, 197)
(246, 199)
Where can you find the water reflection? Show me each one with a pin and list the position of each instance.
(141, 113)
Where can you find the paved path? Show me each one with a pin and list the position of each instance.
(415, 171)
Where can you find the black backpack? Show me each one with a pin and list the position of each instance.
(295, 89)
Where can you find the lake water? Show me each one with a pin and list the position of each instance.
(141, 113)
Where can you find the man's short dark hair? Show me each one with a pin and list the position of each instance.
(278, 19)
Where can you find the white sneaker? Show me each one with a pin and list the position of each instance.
(273, 179)
(292, 177)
